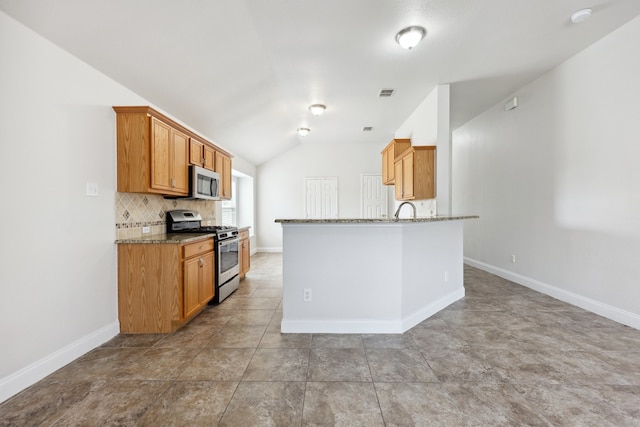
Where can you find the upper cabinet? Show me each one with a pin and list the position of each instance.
(154, 154)
(201, 154)
(389, 154)
(414, 172)
(223, 167)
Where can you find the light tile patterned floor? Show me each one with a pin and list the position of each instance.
(504, 355)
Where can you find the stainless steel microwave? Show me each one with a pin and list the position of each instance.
(203, 184)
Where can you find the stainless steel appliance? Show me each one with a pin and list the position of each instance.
(225, 245)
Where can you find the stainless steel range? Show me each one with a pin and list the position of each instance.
(225, 240)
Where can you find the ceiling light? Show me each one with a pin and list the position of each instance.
(580, 16)
(317, 109)
(303, 131)
(410, 37)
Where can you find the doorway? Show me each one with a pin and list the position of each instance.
(321, 198)
(374, 197)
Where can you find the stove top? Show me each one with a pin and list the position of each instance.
(185, 221)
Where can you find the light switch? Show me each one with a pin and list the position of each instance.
(92, 188)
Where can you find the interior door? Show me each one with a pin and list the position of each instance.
(320, 198)
(374, 197)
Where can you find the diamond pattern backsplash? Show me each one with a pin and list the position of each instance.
(134, 211)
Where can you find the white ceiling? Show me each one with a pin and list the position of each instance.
(243, 72)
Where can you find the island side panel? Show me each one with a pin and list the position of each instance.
(354, 272)
(432, 266)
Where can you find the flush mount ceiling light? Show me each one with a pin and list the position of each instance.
(303, 131)
(317, 109)
(409, 37)
(581, 16)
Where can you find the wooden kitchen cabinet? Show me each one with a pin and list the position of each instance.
(197, 283)
(244, 246)
(161, 286)
(389, 155)
(414, 172)
(201, 154)
(223, 167)
(154, 154)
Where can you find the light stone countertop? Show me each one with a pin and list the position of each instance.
(171, 238)
(375, 220)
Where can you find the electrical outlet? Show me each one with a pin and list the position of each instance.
(306, 294)
(146, 230)
(513, 259)
(446, 276)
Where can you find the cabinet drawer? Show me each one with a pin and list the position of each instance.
(243, 234)
(196, 248)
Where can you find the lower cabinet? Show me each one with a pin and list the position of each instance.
(161, 286)
(245, 253)
(198, 283)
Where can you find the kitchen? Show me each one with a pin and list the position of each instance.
(60, 107)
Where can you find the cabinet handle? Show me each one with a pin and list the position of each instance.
(201, 263)
(173, 182)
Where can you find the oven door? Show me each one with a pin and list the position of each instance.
(228, 266)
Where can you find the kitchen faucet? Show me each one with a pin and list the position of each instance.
(396, 215)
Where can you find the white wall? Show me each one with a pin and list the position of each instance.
(556, 181)
(429, 124)
(280, 183)
(58, 295)
(58, 272)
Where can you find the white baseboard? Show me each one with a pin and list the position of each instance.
(605, 310)
(341, 327)
(370, 326)
(428, 311)
(269, 249)
(29, 375)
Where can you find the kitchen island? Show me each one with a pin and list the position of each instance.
(369, 275)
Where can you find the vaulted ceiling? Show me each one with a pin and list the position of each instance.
(243, 72)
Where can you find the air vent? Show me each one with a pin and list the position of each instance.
(385, 93)
(367, 129)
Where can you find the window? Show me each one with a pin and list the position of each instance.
(230, 207)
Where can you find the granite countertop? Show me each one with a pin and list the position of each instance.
(171, 238)
(374, 220)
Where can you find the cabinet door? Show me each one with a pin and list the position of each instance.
(209, 158)
(407, 176)
(196, 152)
(387, 167)
(207, 289)
(191, 286)
(161, 178)
(223, 167)
(398, 182)
(245, 256)
(180, 162)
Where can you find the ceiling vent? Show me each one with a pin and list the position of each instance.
(367, 129)
(386, 93)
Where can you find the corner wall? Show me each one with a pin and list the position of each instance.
(556, 181)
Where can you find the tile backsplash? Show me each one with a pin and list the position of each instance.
(134, 211)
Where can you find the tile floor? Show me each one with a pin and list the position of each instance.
(504, 355)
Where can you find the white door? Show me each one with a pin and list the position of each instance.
(320, 198)
(373, 197)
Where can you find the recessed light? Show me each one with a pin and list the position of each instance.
(303, 131)
(581, 16)
(317, 109)
(409, 37)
